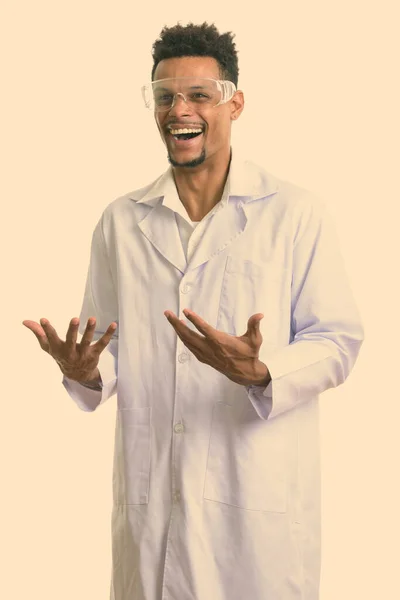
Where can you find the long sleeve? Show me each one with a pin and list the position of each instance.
(100, 301)
(326, 326)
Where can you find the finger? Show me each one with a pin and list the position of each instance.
(72, 333)
(188, 336)
(200, 324)
(105, 338)
(39, 333)
(51, 334)
(195, 346)
(89, 332)
(253, 325)
(178, 324)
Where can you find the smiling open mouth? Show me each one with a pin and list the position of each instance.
(186, 136)
(185, 133)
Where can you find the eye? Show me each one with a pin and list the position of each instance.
(199, 96)
(162, 98)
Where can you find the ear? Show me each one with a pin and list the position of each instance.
(237, 105)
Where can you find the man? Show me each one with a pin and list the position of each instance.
(216, 474)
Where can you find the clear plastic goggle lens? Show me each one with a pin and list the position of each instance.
(162, 94)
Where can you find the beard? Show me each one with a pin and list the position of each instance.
(195, 162)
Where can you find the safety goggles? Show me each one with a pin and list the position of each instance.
(161, 95)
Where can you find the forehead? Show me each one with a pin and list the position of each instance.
(188, 66)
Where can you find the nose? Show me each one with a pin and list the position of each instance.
(179, 106)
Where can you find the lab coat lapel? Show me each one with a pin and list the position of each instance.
(160, 228)
(225, 226)
(159, 225)
(246, 184)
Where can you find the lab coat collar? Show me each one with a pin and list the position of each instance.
(246, 180)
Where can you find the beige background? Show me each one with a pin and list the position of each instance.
(321, 110)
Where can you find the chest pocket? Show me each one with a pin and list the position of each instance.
(247, 288)
(248, 458)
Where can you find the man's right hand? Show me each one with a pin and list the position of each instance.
(77, 361)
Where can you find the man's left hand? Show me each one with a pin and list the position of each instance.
(234, 356)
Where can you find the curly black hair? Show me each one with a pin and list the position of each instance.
(198, 40)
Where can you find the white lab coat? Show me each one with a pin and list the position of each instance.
(217, 486)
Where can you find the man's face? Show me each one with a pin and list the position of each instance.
(214, 121)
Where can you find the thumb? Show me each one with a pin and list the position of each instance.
(39, 332)
(253, 324)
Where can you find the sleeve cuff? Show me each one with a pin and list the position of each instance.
(261, 399)
(87, 399)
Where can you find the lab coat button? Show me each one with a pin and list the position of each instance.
(187, 287)
(184, 357)
(179, 428)
(177, 496)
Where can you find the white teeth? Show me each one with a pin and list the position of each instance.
(180, 131)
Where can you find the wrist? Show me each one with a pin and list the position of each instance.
(94, 382)
(92, 379)
(262, 375)
(95, 377)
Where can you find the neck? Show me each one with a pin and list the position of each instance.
(201, 188)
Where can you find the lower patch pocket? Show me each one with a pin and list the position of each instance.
(132, 467)
(247, 461)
